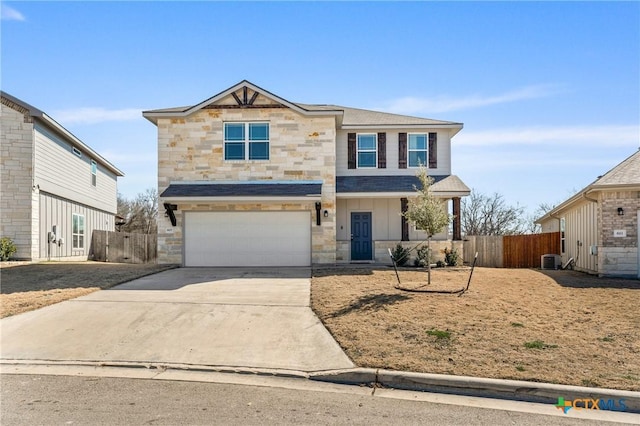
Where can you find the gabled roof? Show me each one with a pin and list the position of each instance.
(70, 137)
(350, 118)
(624, 176)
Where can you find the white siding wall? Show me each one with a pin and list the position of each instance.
(59, 212)
(443, 150)
(385, 216)
(581, 225)
(59, 171)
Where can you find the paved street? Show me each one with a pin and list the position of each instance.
(37, 399)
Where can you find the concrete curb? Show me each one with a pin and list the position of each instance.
(516, 390)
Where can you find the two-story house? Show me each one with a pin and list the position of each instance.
(248, 178)
(55, 189)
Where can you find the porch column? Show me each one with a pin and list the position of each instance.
(457, 232)
(404, 205)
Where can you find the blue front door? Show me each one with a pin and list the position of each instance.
(361, 247)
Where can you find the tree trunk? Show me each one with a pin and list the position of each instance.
(429, 260)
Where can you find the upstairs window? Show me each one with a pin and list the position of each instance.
(417, 150)
(367, 152)
(77, 231)
(246, 141)
(94, 173)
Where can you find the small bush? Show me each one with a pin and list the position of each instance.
(7, 248)
(451, 257)
(440, 264)
(400, 255)
(421, 257)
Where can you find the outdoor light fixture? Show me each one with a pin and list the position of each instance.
(318, 208)
(620, 211)
(326, 213)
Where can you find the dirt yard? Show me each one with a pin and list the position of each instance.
(552, 326)
(25, 287)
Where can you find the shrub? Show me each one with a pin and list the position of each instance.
(7, 248)
(400, 255)
(440, 264)
(451, 257)
(421, 257)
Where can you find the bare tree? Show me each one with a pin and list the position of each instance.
(491, 215)
(139, 214)
(427, 213)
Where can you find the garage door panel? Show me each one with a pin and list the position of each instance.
(247, 239)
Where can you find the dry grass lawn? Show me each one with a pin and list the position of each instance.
(25, 287)
(552, 326)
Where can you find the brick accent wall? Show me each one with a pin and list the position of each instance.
(619, 255)
(301, 148)
(17, 200)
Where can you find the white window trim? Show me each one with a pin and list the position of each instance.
(83, 233)
(409, 150)
(246, 141)
(375, 149)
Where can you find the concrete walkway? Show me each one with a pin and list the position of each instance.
(228, 317)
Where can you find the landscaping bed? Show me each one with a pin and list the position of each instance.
(545, 326)
(28, 286)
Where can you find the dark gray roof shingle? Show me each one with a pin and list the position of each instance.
(379, 183)
(243, 190)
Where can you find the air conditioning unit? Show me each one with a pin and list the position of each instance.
(550, 261)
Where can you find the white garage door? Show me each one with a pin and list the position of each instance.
(247, 239)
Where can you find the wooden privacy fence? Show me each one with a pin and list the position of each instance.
(122, 247)
(510, 251)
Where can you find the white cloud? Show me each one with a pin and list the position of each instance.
(590, 135)
(95, 115)
(8, 13)
(414, 105)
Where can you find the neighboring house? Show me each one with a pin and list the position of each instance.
(248, 178)
(52, 184)
(599, 225)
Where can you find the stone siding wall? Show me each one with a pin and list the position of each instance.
(16, 194)
(301, 148)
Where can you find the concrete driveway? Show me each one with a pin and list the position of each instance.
(226, 317)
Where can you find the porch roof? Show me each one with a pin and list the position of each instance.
(397, 186)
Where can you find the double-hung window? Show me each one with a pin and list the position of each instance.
(367, 152)
(77, 231)
(417, 149)
(94, 173)
(246, 141)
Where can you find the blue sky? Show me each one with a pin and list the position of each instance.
(549, 92)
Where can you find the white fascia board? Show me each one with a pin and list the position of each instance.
(396, 194)
(252, 199)
(79, 144)
(457, 127)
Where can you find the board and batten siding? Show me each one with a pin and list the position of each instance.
(386, 220)
(58, 212)
(61, 172)
(581, 225)
(443, 151)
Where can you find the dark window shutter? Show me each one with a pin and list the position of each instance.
(382, 150)
(404, 206)
(402, 150)
(433, 150)
(351, 150)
